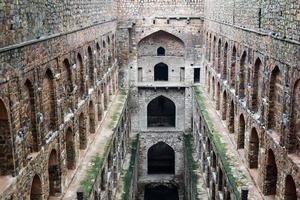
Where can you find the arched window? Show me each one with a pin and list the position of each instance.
(253, 149)
(270, 182)
(161, 159)
(161, 72)
(54, 174)
(161, 192)
(161, 51)
(36, 188)
(161, 112)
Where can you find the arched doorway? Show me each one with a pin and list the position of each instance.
(161, 159)
(253, 149)
(54, 174)
(70, 149)
(290, 192)
(161, 112)
(6, 156)
(161, 192)
(161, 72)
(36, 192)
(270, 182)
(241, 132)
(91, 67)
(224, 73)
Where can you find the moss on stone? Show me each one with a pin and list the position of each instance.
(220, 147)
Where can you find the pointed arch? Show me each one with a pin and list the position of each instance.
(294, 136)
(256, 91)
(161, 112)
(48, 97)
(224, 74)
(6, 146)
(270, 182)
(54, 172)
(33, 143)
(36, 191)
(241, 132)
(91, 67)
(290, 189)
(92, 117)
(275, 103)
(82, 132)
(233, 68)
(253, 149)
(242, 77)
(218, 96)
(219, 57)
(213, 88)
(70, 149)
(224, 106)
(161, 159)
(231, 117)
(81, 72)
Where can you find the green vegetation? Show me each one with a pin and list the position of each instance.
(191, 164)
(88, 182)
(129, 173)
(221, 147)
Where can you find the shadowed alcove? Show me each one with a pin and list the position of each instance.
(161, 112)
(161, 192)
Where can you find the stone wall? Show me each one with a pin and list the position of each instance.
(253, 75)
(149, 8)
(23, 21)
(46, 89)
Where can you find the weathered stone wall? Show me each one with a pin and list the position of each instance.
(253, 75)
(23, 21)
(46, 89)
(175, 141)
(167, 8)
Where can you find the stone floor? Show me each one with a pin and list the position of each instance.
(97, 146)
(237, 158)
